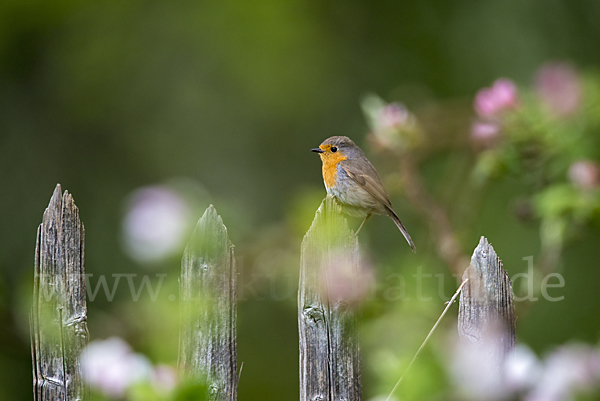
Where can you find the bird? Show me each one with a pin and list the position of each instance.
(352, 180)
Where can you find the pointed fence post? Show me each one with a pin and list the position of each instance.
(208, 295)
(59, 313)
(329, 349)
(486, 314)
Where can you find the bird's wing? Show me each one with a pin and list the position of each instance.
(366, 176)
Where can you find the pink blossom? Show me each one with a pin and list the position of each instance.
(503, 95)
(392, 116)
(164, 378)
(345, 280)
(484, 134)
(392, 125)
(558, 86)
(585, 174)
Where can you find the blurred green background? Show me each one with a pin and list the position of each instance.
(225, 99)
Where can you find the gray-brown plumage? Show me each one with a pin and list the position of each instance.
(351, 178)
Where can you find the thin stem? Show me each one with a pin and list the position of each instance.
(428, 336)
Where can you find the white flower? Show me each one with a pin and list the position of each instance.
(111, 366)
(522, 369)
(476, 366)
(156, 223)
(570, 369)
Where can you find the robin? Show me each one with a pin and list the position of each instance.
(353, 181)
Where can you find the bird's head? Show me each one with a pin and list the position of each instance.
(335, 149)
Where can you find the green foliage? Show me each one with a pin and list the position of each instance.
(539, 147)
(108, 97)
(145, 391)
(190, 392)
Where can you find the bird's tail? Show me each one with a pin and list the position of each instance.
(402, 229)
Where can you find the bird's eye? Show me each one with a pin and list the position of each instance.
(333, 149)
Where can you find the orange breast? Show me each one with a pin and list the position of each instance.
(330, 163)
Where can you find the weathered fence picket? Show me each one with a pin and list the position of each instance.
(208, 296)
(59, 313)
(329, 349)
(486, 314)
(327, 323)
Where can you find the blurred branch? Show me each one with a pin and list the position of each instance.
(395, 128)
(433, 213)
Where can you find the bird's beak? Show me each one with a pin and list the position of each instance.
(318, 150)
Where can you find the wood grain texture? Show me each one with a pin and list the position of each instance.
(329, 347)
(486, 311)
(59, 313)
(208, 294)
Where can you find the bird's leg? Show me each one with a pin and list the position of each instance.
(363, 223)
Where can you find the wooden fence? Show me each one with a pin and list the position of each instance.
(58, 320)
(328, 334)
